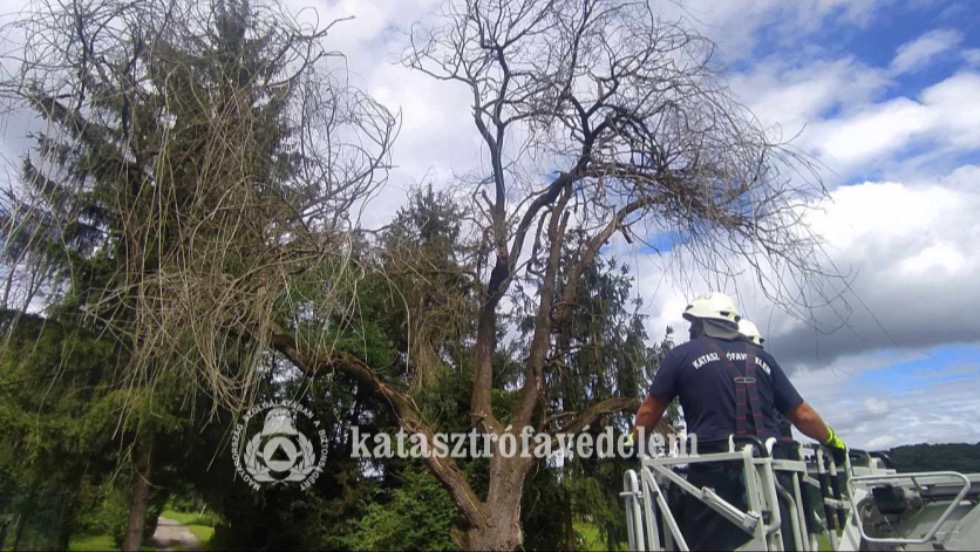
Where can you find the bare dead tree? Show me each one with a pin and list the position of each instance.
(638, 135)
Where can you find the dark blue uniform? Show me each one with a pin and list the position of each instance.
(696, 374)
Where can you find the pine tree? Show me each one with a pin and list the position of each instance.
(193, 157)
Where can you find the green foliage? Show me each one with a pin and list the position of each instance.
(545, 511)
(38, 513)
(429, 305)
(404, 304)
(601, 352)
(415, 516)
(59, 410)
(589, 538)
(165, 170)
(56, 406)
(104, 511)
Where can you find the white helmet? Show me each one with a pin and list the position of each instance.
(713, 306)
(750, 331)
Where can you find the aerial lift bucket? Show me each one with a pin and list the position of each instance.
(855, 501)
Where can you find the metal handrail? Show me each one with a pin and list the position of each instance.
(633, 495)
(867, 479)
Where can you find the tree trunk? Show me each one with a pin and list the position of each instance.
(501, 529)
(139, 500)
(64, 523)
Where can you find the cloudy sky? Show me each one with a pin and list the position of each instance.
(886, 95)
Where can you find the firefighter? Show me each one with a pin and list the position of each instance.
(750, 332)
(722, 397)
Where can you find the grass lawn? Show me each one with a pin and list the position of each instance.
(101, 543)
(591, 540)
(203, 533)
(91, 543)
(590, 535)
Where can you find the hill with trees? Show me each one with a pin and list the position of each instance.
(960, 457)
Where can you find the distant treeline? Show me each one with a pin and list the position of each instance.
(961, 457)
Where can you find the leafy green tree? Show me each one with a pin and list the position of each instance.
(414, 516)
(58, 417)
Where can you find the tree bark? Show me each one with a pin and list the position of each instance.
(502, 531)
(501, 528)
(139, 500)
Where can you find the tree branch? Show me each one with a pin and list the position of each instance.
(402, 406)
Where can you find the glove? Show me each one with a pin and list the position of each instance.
(833, 441)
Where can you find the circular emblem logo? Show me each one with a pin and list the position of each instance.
(269, 448)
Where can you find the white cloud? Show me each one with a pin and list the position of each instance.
(875, 132)
(792, 96)
(870, 414)
(945, 117)
(831, 107)
(972, 56)
(437, 139)
(734, 24)
(913, 250)
(882, 442)
(956, 112)
(876, 406)
(965, 178)
(916, 54)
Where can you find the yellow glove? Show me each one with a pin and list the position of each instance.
(833, 441)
